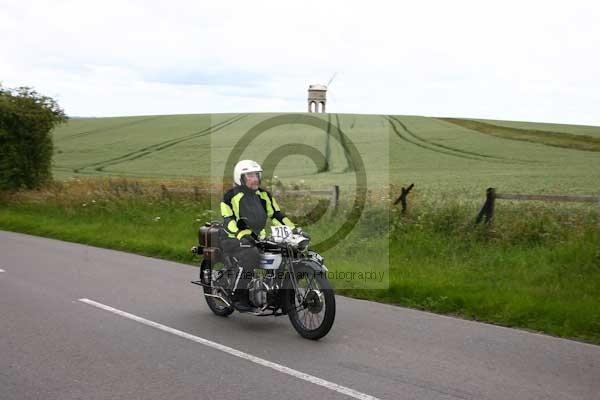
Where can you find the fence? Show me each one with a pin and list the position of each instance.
(487, 211)
(333, 193)
(402, 198)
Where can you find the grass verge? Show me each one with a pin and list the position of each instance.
(536, 268)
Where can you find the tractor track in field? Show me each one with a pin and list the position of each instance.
(327, 165)
(327, 168)
(404, 138)
(349, 163)
(109, 128)
(157, 147)
(439, 148)
(432, 143)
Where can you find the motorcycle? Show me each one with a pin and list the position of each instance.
(291, 279)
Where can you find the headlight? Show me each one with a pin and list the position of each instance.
(302, 244)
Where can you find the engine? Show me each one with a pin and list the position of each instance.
(263, 291)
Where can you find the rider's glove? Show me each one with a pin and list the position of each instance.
(247, 241)
(298, 231)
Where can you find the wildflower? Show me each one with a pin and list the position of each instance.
(156, 218)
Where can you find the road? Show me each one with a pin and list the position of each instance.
(155, 338)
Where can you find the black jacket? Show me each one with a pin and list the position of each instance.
(245, 212)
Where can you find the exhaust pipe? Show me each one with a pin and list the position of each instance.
(216, 296)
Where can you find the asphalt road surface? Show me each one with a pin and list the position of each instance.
(79, 322)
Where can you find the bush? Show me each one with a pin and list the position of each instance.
(26, 120)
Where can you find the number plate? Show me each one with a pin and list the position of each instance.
(280, 232)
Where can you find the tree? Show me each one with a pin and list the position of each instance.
(26, 121)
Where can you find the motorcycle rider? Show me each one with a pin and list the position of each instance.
(245, 209)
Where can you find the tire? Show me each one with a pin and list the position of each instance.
(215, 305)
(313, 318)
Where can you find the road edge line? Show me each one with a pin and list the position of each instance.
(257, 360)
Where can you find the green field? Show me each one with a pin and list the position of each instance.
(536, 267)
(437, 155)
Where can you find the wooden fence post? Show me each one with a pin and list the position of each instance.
(488, 208)
(402, 198)
(335, 197)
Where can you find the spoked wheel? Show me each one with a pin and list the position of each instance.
(311, 308)
(217, 278)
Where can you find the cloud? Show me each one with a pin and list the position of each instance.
(193, 76)
(511, 60)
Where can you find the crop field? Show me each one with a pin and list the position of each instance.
(439, 155)
(537, 266)
(587, 130)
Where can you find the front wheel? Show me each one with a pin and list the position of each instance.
(311, 308)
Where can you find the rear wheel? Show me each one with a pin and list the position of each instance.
(217, 278)
(311, 308)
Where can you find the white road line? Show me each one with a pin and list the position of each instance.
(260, 361)
(1, 270)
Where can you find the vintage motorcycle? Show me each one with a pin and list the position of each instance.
(291, 279)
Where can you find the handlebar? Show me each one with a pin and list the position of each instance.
(296, 241)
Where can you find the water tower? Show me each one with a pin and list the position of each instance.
(317, 98)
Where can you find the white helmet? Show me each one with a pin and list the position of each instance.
(243, 167)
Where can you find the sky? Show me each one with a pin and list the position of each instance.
(511, 60)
